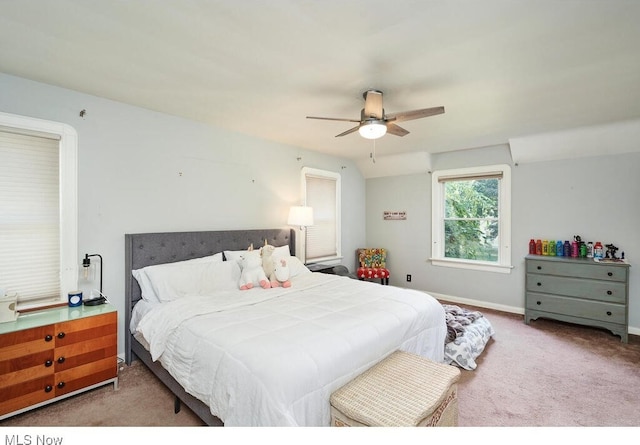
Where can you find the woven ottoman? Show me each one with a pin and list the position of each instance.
(404, 389)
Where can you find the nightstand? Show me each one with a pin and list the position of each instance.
(322, 268)
(52, 354)
(338, 269)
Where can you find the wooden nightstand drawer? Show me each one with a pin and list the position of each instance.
(20, 394)
(50, 354)
(86, 375)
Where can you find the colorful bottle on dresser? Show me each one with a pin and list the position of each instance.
(598, 250)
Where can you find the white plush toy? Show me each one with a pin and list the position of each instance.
(280, 274)
(275, 267)
(252, 271)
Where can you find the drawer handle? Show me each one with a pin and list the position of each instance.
(48, 337)
(539, 267)
(539, 284)
(538, 303)
(609, 292)
(60, 385)
(48, 388)
(610, 274)
(61, 359)
(61, 334)
(609, 313)
(48, 363)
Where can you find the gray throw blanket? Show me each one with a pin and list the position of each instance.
(457, 319)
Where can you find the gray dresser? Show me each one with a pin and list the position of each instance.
(578, 290)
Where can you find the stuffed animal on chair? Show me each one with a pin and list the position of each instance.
(252, 271)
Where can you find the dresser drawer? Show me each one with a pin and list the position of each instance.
(593, 310)
(54, 353)
(595, 271)
(75, 331)
(608, 291)
(83, 352)
(20, 394)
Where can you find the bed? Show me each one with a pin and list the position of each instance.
(263, 357)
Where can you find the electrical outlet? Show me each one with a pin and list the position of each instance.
(408, 277)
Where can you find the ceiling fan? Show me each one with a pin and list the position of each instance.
(374, 123)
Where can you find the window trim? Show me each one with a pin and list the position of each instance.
(503, 265)
(68, 197)
(324, 174)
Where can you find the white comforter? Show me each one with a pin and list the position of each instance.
(273, 357)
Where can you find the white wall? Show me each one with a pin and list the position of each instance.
(594, 197)
(142, 171)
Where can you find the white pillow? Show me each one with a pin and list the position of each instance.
(282, 251)
(296, 267)
(141, 275)
(233, 255)
(194, 279)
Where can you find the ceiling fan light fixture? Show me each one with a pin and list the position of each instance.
(373, 129)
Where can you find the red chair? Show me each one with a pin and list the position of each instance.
(373, 265)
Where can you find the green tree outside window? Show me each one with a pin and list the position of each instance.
(471, 219)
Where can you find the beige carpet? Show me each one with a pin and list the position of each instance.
(551, 373)
(545, 374)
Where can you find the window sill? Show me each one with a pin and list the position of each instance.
(470, 265)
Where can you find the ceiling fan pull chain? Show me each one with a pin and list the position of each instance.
(373, 154)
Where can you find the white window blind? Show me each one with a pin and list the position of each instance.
(30, 216)
(322, 191)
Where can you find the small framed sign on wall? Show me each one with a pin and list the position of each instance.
(389, 215)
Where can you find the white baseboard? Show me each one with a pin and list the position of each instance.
(478, 303)
(497, 307)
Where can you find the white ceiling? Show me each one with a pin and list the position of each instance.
(501, 68)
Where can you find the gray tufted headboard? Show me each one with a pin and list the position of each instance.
(147, 249)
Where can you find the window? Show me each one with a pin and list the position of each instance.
(38, 210)
(471, 218)
(321, 191)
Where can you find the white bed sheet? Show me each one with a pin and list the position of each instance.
(273, 357)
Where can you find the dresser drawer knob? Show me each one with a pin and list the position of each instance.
(60, 385)
(61, 360)
(539, 267)
(609, 292)
(61, 334)
(48, 388)
(48, 337)
(609, 313)
(610, 274)
(538, 303)
(539, 284)
(48, 363)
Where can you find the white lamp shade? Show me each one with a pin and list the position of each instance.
(300, 216)
(373, 130)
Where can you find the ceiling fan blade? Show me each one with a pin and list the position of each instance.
(396, 130)
(333, 119)
(414, 114)
(373, 105)
(349, 131)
